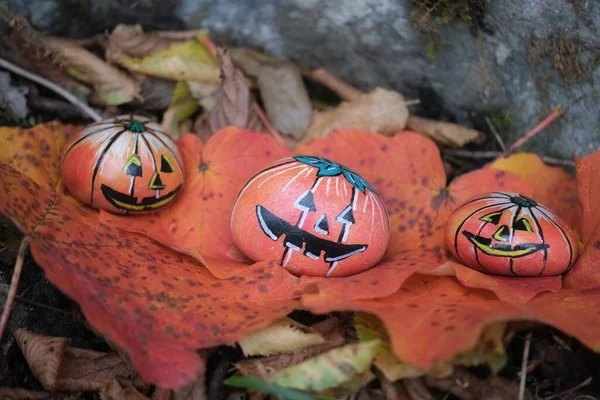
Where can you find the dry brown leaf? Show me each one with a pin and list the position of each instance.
(416, 389)
(468, 387)
(281, 336)
(234, 102)
(195, 390)
(382, 111)
(261, 367)
(113, 86)
(62, 368)
(7, 393)
(282, 90)
(128, 41)
(444, 133)
(114, 391)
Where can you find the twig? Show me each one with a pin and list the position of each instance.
(14, 282)
(524, 366)
(496, 134)
(343, 89)
(547, 121)
(265, 120)
(52, 86)
(35, 303)
(569, 391)
(478, 155)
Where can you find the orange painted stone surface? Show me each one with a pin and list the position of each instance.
(313, 216)
(506, 233)
(123, 165)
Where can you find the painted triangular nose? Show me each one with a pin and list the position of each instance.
(156, 182)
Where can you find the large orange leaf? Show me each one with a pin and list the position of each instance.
(431, 319)
(586, 273)
(198, 222)
(407, 172)
(156, 303)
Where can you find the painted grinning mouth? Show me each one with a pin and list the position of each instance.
(130, 203)
(296, 238)
(503, 250)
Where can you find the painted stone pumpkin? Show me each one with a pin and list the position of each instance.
(123, 165)
(313, 216)
(510, 234)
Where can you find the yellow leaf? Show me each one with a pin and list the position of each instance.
(329, 369)
(182, 107)
(113, 86)
(190, 61)
(282, 336)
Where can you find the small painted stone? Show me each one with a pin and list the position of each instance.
(123, 165)
(313, 216)
(509, 234)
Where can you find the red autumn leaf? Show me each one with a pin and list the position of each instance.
(407, 172)
(509, 289)
(157, 304)
(432, 319)
(197, 223)
(585, 273)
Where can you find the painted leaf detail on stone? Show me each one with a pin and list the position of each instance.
(157, 304)
(197, 223)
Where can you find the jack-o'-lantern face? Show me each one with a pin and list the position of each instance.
(510, 234)
(313, 216)
(123, 165)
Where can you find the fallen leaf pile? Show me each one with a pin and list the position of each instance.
(164, 285)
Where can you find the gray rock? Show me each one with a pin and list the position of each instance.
(371, 43)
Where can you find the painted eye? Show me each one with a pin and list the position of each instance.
(346, 217)
(133, 167)
(322, 226)
(523, 225)
(306, 202)
(492, 218)
(166, 165)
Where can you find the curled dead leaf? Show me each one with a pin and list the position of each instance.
(130, 41)
(444, 133)
(113, 86)
(8, 393)
(62, 368)
(281, 88)
(466, 386)
(382, 111)
(282, 336)
(114, 391)
(20, 51)
(234, 102)
(195, 390)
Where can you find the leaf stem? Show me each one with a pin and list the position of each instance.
(14, 282)
(524, 366)
(52, 86)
